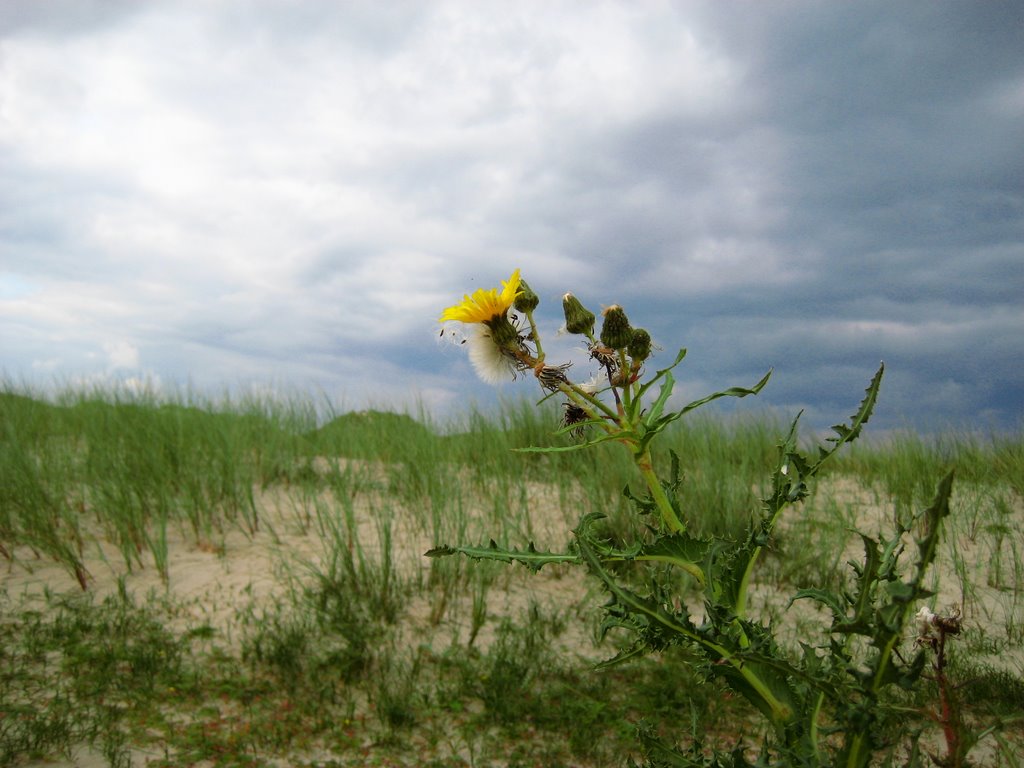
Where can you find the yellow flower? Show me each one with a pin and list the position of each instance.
(485, 305)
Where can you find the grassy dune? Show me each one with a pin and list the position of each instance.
(243, 583)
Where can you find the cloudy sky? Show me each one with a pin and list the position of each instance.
(233, 195)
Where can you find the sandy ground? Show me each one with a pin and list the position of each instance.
(217, 583)
(213, 582)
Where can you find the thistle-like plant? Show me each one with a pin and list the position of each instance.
(827, 703)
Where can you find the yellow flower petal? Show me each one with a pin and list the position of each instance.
(485, 304)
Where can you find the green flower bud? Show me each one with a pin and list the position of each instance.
(639, 348)
(578, 319)
(615, 331)
(504, 334)
(527, 300)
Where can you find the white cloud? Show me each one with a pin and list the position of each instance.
(121, 354)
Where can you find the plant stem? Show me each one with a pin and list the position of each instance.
(744, 586)
(949, 717)
(668, 512)
(534, 336)
(627, 387)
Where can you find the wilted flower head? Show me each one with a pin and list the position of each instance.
(552, 377)
(591, 386)
(574, 417)
(925, 620)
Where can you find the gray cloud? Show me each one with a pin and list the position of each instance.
(62, 17)
(266, 195)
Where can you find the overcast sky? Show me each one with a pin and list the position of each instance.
(285, 195)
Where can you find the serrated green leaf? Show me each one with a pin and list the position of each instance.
(579, 425)
(868, 577)
(530, 557)
(654, 412)
(826, 597)
(656, 423)
(618, 435)
(680, 550)
(846, 434)
(730, 392)
(900, 591)
(645, 506)
(660, 374)
(927, 546)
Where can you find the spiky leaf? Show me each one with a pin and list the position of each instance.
(531, 557)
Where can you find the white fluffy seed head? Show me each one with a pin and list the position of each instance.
(489, 362)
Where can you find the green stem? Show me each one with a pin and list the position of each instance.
(813, 735)
(535, 337)
(627, 387)
(780, 711)
(854, 759)
(668, 512)
(857, 757)
(741, 593)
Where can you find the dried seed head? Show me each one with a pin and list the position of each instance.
(489, 360)
(573, 416)
(552, 377)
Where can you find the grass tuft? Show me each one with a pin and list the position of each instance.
(364, 652)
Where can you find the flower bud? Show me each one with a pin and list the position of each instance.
(639, 348)
(504, 334)
(615, 331)
(578, 319)
(526, 300)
